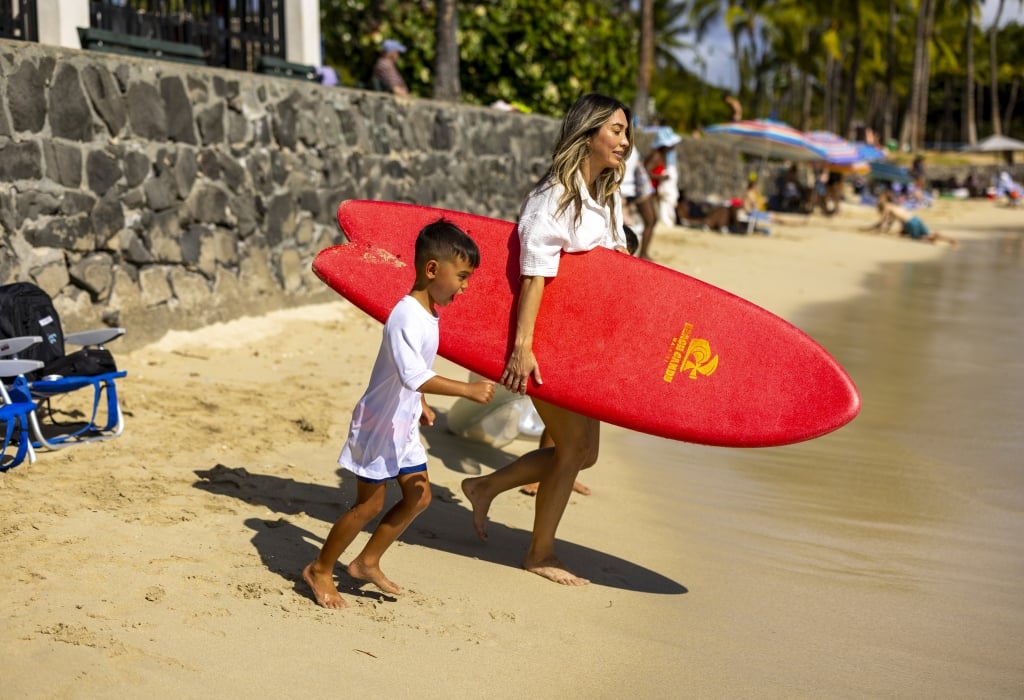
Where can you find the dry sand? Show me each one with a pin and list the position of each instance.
(168, 562)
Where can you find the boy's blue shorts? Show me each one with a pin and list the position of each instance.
(401, 472)
(915, 228)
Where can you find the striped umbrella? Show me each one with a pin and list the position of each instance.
(767, 138)
(837, 150)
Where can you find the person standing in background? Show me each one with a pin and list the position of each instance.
(662, 165)
(385, 71)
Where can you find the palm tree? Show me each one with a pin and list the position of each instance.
(446, 63)
(993, 69)
(646, 63)
(970, 124)
(912, 133)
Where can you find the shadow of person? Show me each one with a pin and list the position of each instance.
(446, 525)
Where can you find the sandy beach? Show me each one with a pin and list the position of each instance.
(168, 562)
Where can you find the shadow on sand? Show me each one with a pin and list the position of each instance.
(446, 525)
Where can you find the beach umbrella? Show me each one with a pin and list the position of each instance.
(997, 143)
(837, 150)
(767, 138)
(869, 152)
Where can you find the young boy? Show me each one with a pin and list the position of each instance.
(384, 440)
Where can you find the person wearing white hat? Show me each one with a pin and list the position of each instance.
(385, 70)
(661, 164)
(664, 154)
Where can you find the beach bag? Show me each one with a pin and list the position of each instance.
(25, 309)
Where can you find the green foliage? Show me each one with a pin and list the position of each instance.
(524, 51)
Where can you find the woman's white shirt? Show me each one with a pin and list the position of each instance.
(543, 234)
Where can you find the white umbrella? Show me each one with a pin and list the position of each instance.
(997, 143)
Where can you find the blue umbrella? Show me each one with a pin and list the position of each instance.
(869, 152)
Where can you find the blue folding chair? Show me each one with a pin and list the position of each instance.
(46, 430)
(15, 415)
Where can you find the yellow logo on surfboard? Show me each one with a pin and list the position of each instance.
(689, 356)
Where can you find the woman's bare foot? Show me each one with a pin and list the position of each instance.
(480, 506)
(324, 591)
(553, 570)
(374, 575)
(531, 489)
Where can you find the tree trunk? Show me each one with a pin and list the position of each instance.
(646, 64)
(925, 76)
(888, 103)
(1011, 101)
(912, 132)
(446, 65)
(851, 85)
(993, 65)
(970, 126)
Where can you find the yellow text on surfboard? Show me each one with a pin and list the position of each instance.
(693, 357)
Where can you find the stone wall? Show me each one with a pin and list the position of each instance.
(152, 195)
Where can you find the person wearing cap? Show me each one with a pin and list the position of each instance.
(385, 70)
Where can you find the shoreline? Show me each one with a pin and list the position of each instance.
(169, 560)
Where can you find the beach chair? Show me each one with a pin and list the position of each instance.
(61, 416)
(15, 415)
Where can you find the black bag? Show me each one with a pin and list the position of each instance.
(86, 362)
(25, 309)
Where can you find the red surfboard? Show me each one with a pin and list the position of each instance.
(620, 339)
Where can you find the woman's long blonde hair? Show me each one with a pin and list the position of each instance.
(589, 113)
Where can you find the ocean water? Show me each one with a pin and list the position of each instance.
(907, 525)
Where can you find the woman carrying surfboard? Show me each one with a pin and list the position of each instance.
(575, 207)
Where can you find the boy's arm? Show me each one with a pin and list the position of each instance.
(481, 392)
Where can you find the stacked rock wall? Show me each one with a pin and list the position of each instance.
(153, 195)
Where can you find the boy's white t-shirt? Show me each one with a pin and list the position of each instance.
(384, 435)
(543, 235)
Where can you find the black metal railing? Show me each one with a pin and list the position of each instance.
(19, 20)
(232, 33)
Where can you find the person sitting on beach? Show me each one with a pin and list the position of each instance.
(912, 225)
(712, 215)
(1007, 188)
(384, 440)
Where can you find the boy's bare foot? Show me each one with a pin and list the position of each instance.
(553, 570)
(480, 506)
(374, 575)
(531, 489)
(324, 591)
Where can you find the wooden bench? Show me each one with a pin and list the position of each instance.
(272, 65)
(128, 44)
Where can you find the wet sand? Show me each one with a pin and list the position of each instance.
(882, 560)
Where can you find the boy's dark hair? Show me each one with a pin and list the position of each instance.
(443, 240)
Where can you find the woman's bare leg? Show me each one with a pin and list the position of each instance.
(577, 439)
(531, 489)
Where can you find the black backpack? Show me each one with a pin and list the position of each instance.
(25, 309)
